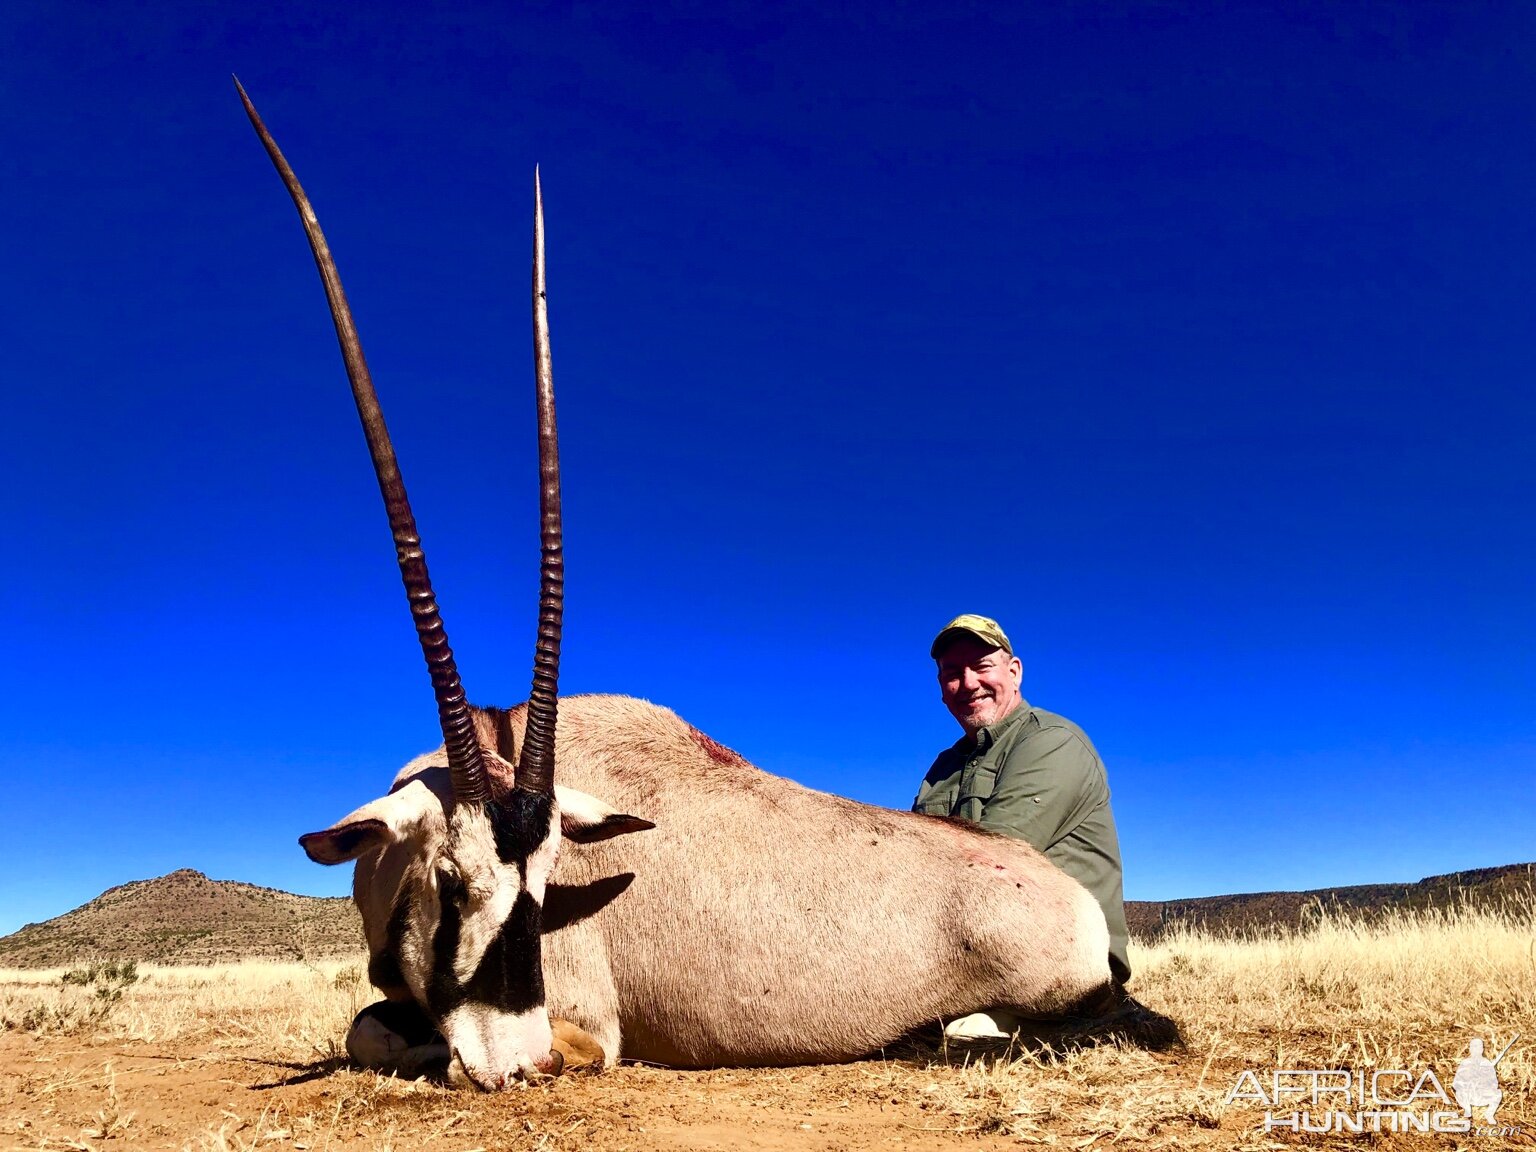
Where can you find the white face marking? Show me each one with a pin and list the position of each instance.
(495, 1048)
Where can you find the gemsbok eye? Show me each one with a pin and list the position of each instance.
(450, 889)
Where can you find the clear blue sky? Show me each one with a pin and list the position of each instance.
(1193, 342)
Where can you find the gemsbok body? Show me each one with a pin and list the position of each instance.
(666, 897)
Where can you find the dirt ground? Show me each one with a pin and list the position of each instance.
(60, 1092)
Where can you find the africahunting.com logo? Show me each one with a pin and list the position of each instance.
(1341, 1100)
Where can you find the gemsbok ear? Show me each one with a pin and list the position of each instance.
(374, 825)
(584, 819)
(346, 841)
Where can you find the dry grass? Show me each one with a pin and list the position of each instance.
(1405, 992)
(288, 1008)
(255, 1047)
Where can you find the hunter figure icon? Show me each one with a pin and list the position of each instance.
(1476, 1083)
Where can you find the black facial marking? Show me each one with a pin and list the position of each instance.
(520, 822)
(384, 972)
(510, 976)
(399, 920)
(450, 889)
(384, 967)
(444, 993)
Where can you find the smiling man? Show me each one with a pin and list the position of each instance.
(1024, 772)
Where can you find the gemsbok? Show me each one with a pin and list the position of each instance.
(667, 898)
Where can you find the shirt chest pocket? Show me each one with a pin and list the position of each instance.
(977, 783)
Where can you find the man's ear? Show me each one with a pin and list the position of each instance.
(374, 825)
(584, 819)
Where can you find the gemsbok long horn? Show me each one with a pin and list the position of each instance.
(536, 764)
(465, 762)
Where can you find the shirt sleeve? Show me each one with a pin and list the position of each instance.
(1044, 784)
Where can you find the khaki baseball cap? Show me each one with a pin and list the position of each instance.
(985, 629)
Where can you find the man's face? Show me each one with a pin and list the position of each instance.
(979, 684)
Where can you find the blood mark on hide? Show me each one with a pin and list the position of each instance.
(716, 751)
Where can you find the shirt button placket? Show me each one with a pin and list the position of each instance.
(968, 786)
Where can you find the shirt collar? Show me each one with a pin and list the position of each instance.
(988, 736)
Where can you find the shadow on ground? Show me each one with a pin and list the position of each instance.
(1133, 1026)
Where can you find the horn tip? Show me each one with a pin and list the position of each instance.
(250, 108)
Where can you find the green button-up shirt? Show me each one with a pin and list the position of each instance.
(1036, 776)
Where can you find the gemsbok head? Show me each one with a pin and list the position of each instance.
(465, 926)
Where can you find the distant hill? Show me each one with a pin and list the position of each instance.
(1479, 887)
(186, 918)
